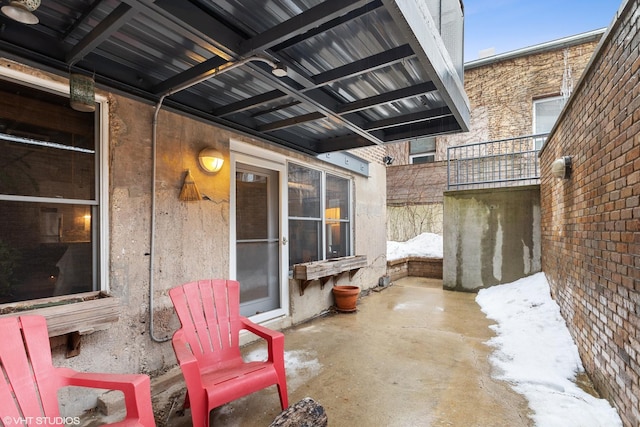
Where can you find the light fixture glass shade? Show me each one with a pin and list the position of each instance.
(82, 93)
(561, 168)
(211, 160)
(21, 11)
(279, 70)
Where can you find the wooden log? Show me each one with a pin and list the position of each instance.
(305, 413)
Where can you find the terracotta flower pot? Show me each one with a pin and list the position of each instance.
(346, 297)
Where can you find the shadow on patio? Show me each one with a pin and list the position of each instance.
(413, 355)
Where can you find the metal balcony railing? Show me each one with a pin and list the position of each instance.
(501, 163)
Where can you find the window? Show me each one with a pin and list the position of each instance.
(49, 166)
(319, 215)
(545, 114)
(422, 150)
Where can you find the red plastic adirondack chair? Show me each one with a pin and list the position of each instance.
(29, 382)
(208, 350)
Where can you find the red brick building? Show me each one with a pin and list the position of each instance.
(591, 220)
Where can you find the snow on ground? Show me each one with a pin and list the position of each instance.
(300, 365)
(536, 354)
(427, 245)
(533, 349)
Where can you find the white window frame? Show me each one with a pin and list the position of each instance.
(102, 174)
(412, 157)
(539, 142)
(323, 197)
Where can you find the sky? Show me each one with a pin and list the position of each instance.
(532, 348)
(507, 25)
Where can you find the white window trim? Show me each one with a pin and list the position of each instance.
(323, 220)
(425, 154)
(103, 147)
(533, 109)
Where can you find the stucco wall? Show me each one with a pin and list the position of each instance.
(490, 237)
(191, 238)
(591, 221)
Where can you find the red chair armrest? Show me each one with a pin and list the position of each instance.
(275, 339)
(261, 331)
(186, 359)
(135, 387)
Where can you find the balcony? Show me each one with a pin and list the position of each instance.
(493, 164)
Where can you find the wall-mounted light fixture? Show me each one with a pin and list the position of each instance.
(22, 11)
(388, 160)
(561, 168)
(211, 160)
(82, 94)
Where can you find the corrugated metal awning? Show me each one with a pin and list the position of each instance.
(358, 72)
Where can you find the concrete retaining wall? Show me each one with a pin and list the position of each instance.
(490, 237)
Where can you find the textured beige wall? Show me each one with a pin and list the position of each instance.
(191, 238)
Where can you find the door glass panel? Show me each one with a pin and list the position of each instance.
(257, 239)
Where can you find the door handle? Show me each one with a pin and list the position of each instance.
(284, 240)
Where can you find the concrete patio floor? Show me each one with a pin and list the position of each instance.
(412, 355)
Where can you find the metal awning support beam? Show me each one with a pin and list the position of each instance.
(341, 143)
(439, 126)
(276, 108)
(193, 74)
(324, 103)
(385, 98)
(201, 26)
(249, 103)
(373, 62)
(327, 26)
(105, 29)
(300, 24)
(409, 119)
(293, 121)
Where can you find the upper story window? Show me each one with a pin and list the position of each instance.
(49, 196)
(319, 215)
(422, 150)
(545, 114)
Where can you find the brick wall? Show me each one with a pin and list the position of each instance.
(415, 267)
(416, 184)
(372, 153)
(501, 93)
(414, 199)
(590, 222)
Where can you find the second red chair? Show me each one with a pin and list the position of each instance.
(207, 347)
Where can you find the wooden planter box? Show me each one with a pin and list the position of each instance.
(81, 313)
(327, 269)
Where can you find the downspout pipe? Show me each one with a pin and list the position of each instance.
(278, 70)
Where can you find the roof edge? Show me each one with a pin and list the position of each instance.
(564, 42)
